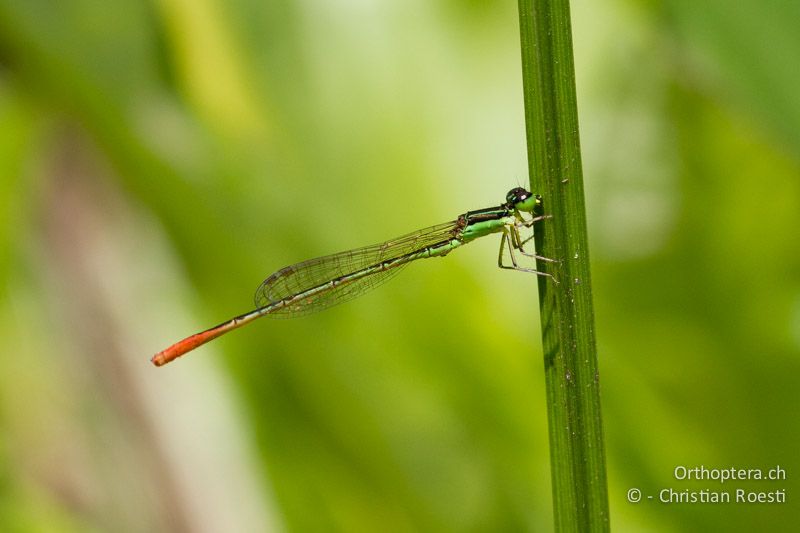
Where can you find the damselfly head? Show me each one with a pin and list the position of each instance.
(523, 200)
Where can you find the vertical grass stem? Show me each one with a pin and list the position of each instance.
(580, 494)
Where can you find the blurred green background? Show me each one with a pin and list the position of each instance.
(159, 159)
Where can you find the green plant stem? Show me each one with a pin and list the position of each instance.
(580, 494)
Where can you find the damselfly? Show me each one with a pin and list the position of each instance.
(320, 283)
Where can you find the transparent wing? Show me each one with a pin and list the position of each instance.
(298, 278)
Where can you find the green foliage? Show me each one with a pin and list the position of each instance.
(570, 355)
(158, 160)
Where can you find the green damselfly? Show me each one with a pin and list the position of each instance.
(320, 283)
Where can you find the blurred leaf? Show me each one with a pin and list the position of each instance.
(743, 54)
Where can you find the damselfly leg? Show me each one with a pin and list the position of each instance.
(507, 241)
